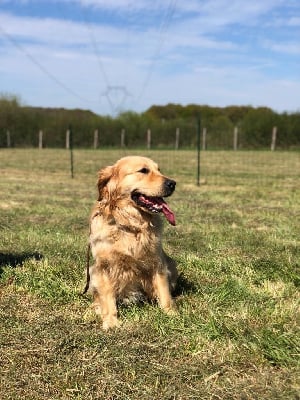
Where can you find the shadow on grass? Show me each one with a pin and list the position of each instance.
(14, 260)
(184, 286)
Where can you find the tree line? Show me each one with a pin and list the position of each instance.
(254, 126)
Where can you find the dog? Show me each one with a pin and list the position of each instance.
(126, 238)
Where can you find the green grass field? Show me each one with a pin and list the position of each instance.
(237, 245)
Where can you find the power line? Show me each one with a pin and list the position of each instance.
(162, 32)
(42, 68)
(111, 91)
(96, 49)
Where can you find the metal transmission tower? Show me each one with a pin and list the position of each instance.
(116, 97)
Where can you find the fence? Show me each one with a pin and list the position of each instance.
(179, 139)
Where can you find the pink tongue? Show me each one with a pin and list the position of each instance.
(168, 214)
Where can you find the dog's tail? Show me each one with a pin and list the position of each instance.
(88, 278)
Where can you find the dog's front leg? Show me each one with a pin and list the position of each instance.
(105, 301)
(162, 290)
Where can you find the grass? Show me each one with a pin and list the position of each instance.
(237, 247)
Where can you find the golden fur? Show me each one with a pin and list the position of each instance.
(125, 237)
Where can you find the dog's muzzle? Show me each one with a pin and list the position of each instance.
(156, 204)
(169, 187)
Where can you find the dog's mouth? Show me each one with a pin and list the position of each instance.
(154, 205)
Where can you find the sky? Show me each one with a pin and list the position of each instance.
(112, 56)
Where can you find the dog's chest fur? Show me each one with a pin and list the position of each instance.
(126, 232)
(128, 247)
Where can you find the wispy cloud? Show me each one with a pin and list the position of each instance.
(294, 21)
(292, 48)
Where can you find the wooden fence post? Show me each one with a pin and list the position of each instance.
(40, 139)
(235, 138)
(123, 137)
(68, 139)
(148, 139)
(198, 149)
(274, 137)
(204, 139)
(70, 144)
(8, 138)
(177, 134)
(96, 139)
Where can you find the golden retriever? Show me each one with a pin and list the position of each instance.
(125, 238)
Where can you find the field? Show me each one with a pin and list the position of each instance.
(236, 335)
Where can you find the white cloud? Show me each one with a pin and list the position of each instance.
(115, 4)
(292, 48)
(294, 21)
(55, 31)
(288, 48)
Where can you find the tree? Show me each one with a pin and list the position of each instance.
(257, 127)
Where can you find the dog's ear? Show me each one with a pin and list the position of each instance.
(104, 176)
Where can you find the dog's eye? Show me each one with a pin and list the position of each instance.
(144, 171)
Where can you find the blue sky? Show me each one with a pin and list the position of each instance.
(116, 55)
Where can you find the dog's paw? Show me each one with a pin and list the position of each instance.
(110, 323)
(171, 311)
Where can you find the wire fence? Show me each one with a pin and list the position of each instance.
(218, 169)
(186, 137)
(206, 157)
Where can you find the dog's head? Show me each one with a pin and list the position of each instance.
(139, 180)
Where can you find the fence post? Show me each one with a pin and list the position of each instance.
(274, 137)
(8, 139)
(40, 139)
(123, 137)
(177, 134)
(198, 149)
(204, 139)
(96, 139)
(70, 144)
(68, 139)
(235, 138)
(148, 139)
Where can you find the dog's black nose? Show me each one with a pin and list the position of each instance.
(170, 185)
